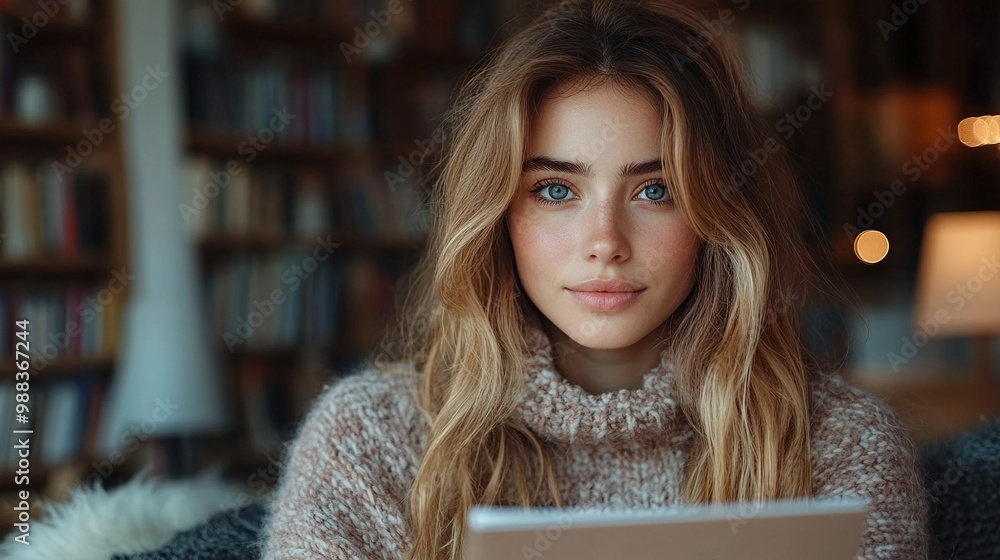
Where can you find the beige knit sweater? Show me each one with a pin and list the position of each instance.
(343, 488)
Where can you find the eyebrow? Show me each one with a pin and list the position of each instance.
(542, 163)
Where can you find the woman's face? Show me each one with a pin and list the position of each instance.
(593, 204)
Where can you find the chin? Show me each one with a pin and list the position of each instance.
(605, 333)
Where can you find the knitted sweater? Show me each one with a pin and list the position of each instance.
(342, 492)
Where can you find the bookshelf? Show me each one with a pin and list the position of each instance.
(62, 227)
(301, 206)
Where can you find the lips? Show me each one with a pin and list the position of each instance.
(606, 294)
(606, 285)
(605, 301)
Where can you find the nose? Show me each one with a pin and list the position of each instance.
(607, 233)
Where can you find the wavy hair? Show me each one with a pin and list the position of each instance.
(737, 343)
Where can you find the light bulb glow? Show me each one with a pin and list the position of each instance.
(979, 131)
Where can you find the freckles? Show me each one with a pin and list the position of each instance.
(675, 234)
(541, 254)
(671, 248)
(545, 241)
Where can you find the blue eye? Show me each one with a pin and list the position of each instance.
(657, 193)
(556, 190)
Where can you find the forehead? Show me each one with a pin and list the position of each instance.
(592, 122)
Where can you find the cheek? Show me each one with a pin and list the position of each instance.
(670, 251)
(539, 244)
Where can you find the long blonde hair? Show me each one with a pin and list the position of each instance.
(743, 368)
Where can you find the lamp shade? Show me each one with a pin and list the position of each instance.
(168, 381)
(958, 282)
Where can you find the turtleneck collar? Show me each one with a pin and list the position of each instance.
(560, 411)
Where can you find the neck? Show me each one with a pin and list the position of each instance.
(603, 370)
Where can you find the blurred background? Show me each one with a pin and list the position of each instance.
(205, 206)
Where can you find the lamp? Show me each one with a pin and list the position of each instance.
(958, 283)
(168, 383)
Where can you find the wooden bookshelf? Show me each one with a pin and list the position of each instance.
(60, 27)
(370, 137)
(50, 135)
(68, 366)
(227, 146)
(285, 34)
(67, 267)
(221, 244)
(48, 256)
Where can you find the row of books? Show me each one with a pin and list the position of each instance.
(474, 21)
(47, 213)
(296, 202)
(63, 415)
(274, 100)
(78, 321)
(247, 315)
(289, 298)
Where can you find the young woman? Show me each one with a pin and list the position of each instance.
(604, 317)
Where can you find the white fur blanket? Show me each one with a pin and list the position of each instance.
(140, 515)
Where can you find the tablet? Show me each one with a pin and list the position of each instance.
(813, 529)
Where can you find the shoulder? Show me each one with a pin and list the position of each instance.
(860, 449)
(832, 394)
(851, 426)
(839, 406)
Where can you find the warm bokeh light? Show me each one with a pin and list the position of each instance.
(871, 246)
(966, 134)
(991, 130)
(979, 131)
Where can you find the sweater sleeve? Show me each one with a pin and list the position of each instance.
(341, 491)
(860, 449)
